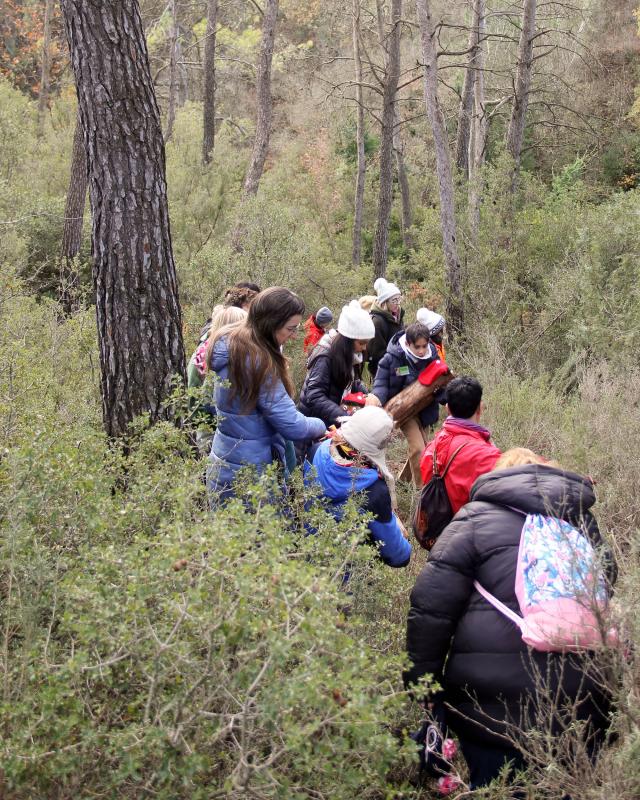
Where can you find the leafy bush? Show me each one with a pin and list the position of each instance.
(181, 653)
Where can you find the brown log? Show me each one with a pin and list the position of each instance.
(414, 398)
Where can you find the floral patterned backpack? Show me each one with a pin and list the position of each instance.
(561, 589)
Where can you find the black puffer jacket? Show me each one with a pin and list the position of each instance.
(320, 396)
(487, 659)
(396, 371)
(386, 327)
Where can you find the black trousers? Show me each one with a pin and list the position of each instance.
(486, 762)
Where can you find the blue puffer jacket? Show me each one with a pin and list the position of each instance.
(338, 482)
(253, 438)
(390, 378)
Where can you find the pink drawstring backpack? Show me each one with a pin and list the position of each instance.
(561, 589)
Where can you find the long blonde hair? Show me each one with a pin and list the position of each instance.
(222, 318)
(519, 456)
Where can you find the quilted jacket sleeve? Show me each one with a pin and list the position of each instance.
(378, 345)
(381, 387)
(283, 416)
(395, 550)
(439, 598)
(316, 392)
(608, 560)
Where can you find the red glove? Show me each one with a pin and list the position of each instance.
(434, 370)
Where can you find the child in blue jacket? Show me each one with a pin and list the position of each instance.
(408, 353)
(354, 461)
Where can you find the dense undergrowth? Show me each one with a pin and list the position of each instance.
(151, 649)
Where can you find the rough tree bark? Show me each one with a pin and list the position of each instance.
(466, 101)
(356, 252)
(209, 94)
(173, 72)
(403, 182)
(480, 126)
(263, 91)
(138, 313)
(453, 270)
(76, 195)
(45, 73)
(515, 131)
(385, 197)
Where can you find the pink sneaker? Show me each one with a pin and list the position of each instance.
(447, 784)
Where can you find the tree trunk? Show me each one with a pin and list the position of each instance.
(356, 253)
(403, 182)
(263, 124)
(385, 198)
(173, 72)
(453, 270)
(466, 101)
(515, 132)
(45, 73)
(209, 94)
(137, 308)
(76, 195)
(414, 398)
(480, 126)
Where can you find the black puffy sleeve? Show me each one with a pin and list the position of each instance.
(440, 598)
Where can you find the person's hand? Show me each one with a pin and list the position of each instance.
(372, 400)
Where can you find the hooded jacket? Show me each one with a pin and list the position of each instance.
(313, 334)
(386, 327)
(396, 371)
(489, 675)
(254, 437)
(478, 456)
(320, 396)
(338, 482)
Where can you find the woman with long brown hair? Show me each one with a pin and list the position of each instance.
(253, 391)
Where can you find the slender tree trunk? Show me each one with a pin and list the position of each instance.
(76, 196)
(515, 132)
(138, 313)
(385, 198)
(466, 101)
(45, 73)
(356, 252)
(209, 95)
(403, 182)
(453, 269)
(173, 72)
(480, 125)
(263, 90)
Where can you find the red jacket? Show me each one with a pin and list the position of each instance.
(313, 334)
(478, 456)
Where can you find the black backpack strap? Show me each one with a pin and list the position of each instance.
(448, 464)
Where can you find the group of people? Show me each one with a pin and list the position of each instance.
(491, 682)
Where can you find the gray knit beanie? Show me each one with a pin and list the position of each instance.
(324, 316)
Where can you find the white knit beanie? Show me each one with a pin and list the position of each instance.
(369, 431)
(385, 290)
(435, 322)
(355, 323)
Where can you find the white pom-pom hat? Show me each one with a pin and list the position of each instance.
(435, 322)
(355, 322)
(385, 290)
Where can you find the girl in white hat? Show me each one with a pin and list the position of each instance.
(387, 314)
(335, 366)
